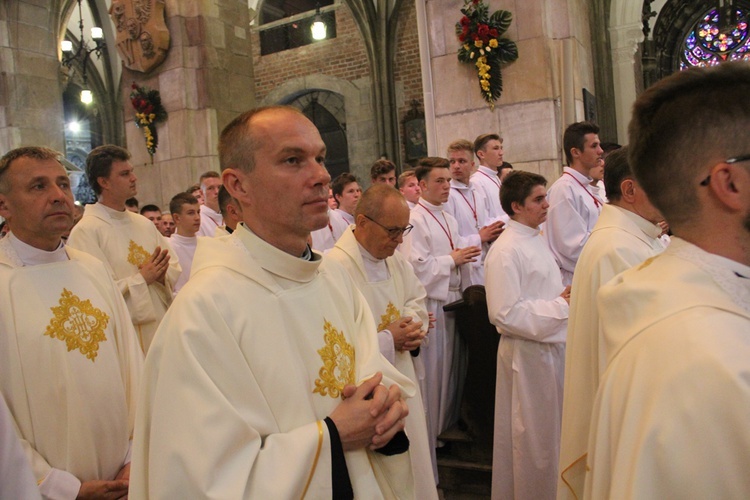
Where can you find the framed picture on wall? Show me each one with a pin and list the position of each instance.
(415, 135)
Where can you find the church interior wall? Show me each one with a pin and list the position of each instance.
(542, 90)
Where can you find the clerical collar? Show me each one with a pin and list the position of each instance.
(114, 214)
(32, 256)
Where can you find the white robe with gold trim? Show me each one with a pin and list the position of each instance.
(123, 241)
(620, 240)
(69, 364)
(670, 419)
(247, 362)
(400, 295)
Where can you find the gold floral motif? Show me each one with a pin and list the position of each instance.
(391, 315)
(338, 363)
(79, 324)
(137, 255)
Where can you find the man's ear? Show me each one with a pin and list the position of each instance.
(232, 179)
(730, 185)
(4, 207)
(516, 206)
(627, 188)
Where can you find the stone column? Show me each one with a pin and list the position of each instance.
(537, 87)
(31, 111)
(624, 40)
(205, 82)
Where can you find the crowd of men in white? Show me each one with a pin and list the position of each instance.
(271, 337)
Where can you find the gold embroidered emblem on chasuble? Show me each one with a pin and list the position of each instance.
(79, 324)
(338, 363)
(391, 315)
(137, 255)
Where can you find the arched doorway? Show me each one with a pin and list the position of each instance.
(326, 110)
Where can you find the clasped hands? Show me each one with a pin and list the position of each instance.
(370, 414)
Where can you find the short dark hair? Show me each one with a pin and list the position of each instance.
(192, 189)
(132, 202)
(575, 137)
(225, 199)
(237, 145)
(481, 141)
(505, 165)
(616, 170)
(35, 152)
(381, 167)
(516, 187)
(608, 147)
(99, 163)
(672, 144)
(340, 182)
(180, 199)
(150, 208)
(425, 166)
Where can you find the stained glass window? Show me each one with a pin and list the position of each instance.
(708, 44)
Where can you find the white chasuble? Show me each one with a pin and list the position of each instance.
(671, 413)
(249, 360)
(428, 247)
(399, 295)
(124, 241)
(620, 240)
(523, 300)
(69, 364)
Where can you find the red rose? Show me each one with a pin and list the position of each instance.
(494, 33)
(462, 37)
(465, 21)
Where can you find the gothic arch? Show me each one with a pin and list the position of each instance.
(351, 108)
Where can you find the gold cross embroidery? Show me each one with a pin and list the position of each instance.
(79, 324)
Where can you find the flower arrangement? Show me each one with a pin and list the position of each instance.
(148, 112)
(483, 45)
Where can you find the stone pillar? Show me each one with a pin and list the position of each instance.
(625, 40)
(205, 81)
(31, 111)
(538, 87)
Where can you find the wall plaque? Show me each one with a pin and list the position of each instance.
(141, 32)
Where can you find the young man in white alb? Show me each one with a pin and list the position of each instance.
(186, 212)
(528, 304)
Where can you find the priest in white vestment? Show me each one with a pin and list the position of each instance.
(249, 388)
(670, 418)
(468, 206)
(16, 479)
(211, 218)
(528, 304)
(626, 234)
(437, 251)
(70, 363)
(134, 251)
(574, 208)
(396, 298)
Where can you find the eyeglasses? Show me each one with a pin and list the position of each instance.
(736, 159)
(393, 232)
